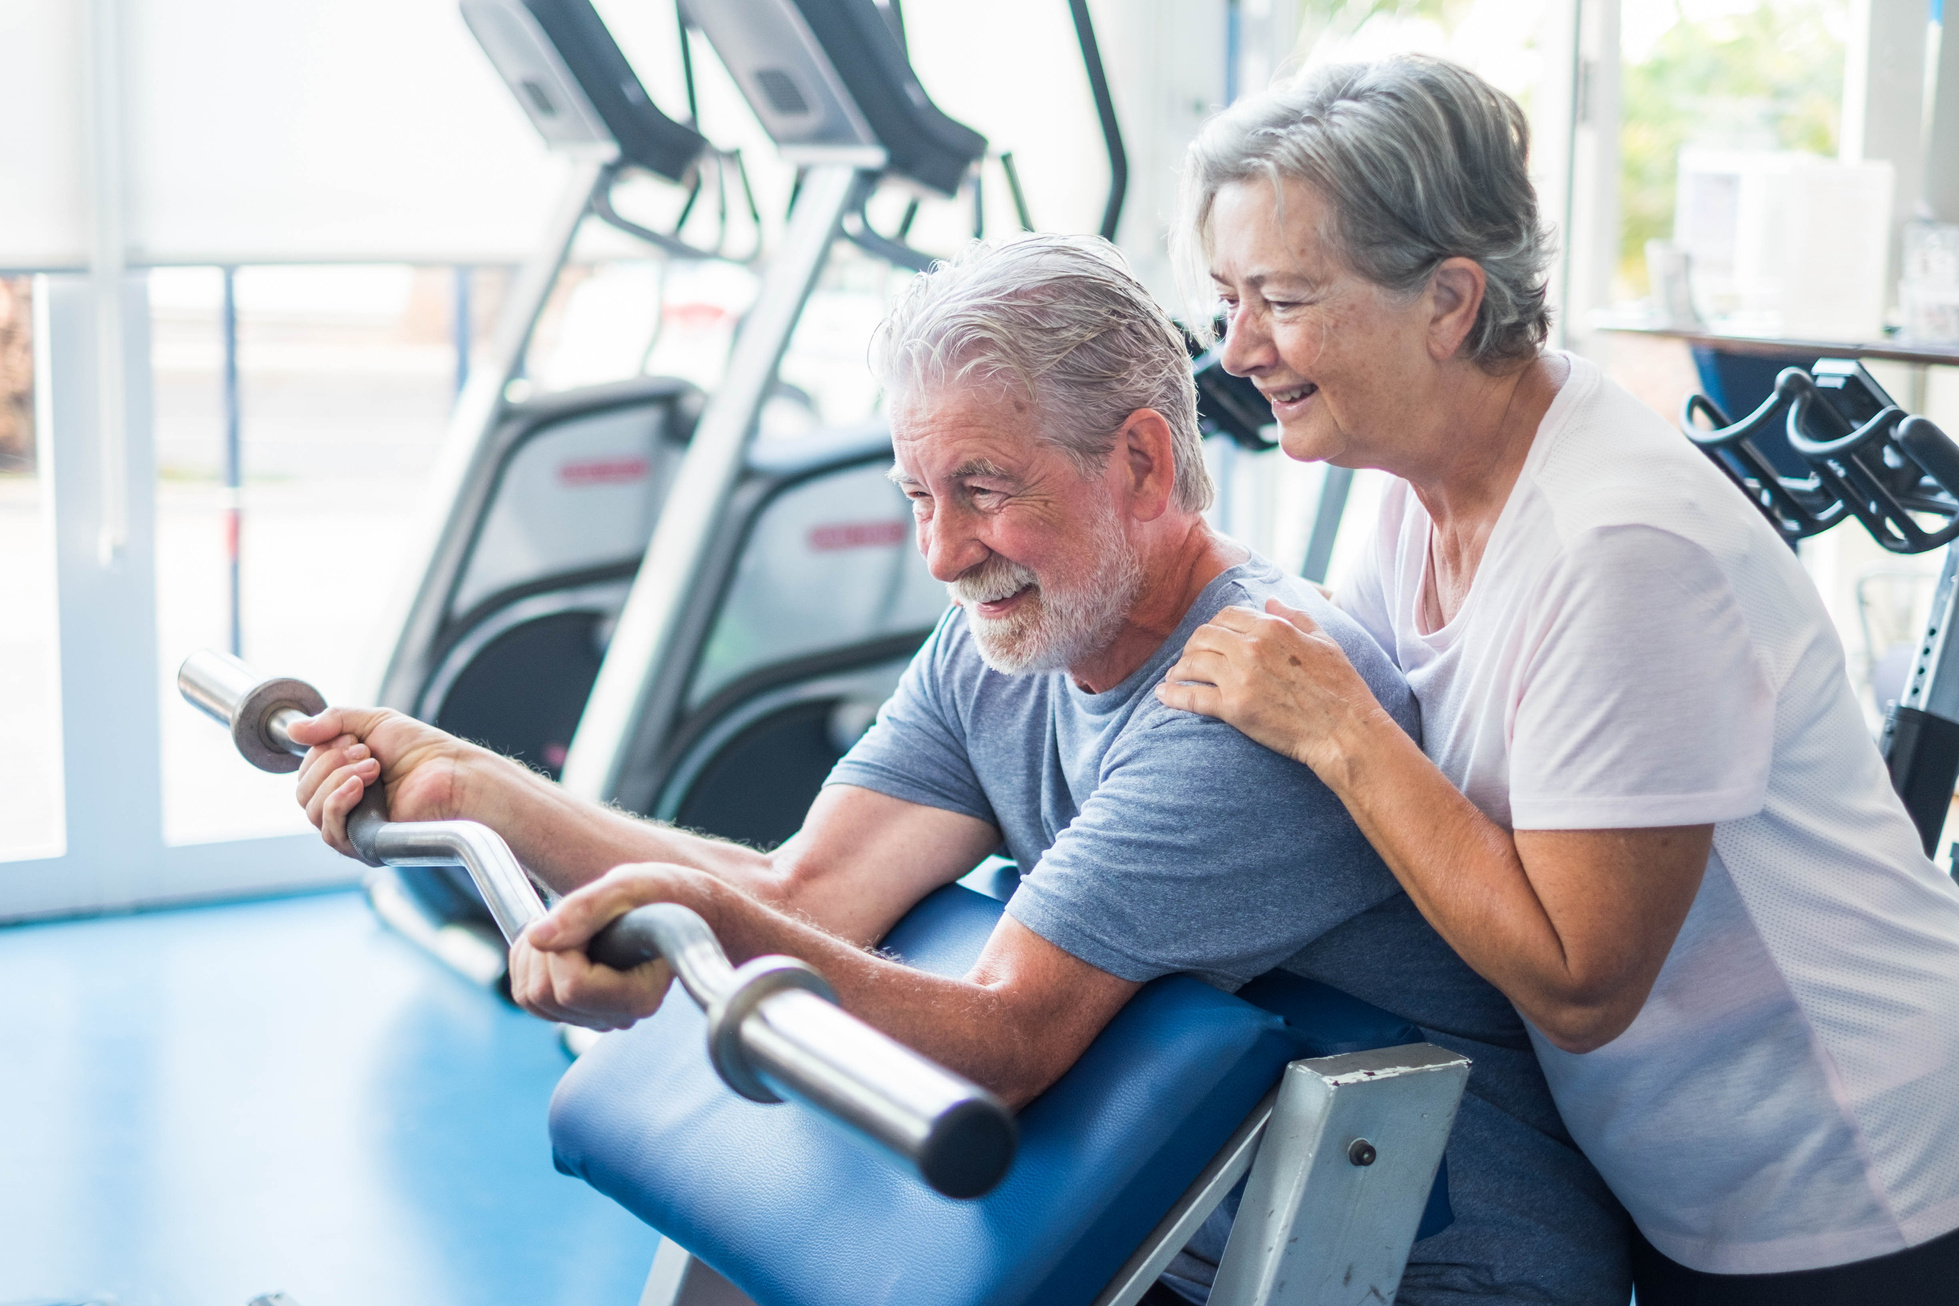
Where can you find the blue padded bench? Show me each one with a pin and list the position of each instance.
(792, 1209)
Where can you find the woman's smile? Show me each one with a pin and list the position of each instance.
(1292, 402)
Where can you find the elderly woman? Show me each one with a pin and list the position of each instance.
(1645, 804)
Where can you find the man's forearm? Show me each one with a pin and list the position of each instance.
(1014, 1023)
(970, 1028)
(567, 841)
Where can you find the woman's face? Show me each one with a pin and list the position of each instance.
(1345, 364)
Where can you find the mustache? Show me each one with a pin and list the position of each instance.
(996, 578)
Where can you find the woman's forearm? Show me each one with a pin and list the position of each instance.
(1461, 869)
(1571, 925)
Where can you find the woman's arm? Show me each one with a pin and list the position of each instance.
(1572, 925)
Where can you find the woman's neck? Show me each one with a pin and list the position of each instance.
(1477, 450)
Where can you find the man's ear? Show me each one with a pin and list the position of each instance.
(1144, 450)
(1455, 296)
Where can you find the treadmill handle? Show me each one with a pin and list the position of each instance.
(774, 1030)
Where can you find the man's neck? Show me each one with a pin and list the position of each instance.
(1176, 569)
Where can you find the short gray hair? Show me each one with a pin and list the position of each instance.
(1061, 319)
(1418, 160)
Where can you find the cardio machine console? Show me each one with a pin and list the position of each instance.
(830, 82)
(576, 86)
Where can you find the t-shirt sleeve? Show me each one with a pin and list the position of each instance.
(1202, 852)
(916, 750)
(1644, 699)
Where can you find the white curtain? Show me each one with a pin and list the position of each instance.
(269, 132)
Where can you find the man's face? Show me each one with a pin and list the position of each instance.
(1035, 552)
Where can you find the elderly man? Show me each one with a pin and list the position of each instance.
(1045, 429)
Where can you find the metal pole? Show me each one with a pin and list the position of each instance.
(1228, 486)
(635, 686)
(1105, 113)
(234, 480)
(416, 609)
(463, 327)
(1234, 39)
(1326, 523)
(1921, 736)
(107, 264)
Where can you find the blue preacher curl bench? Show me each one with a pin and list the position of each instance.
(1328, 1115)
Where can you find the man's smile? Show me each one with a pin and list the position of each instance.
(1000, 607)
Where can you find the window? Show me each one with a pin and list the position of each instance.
(31, 813)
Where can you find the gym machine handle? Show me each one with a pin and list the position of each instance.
(1893, 473)
(774, 1030)
(1797, 507)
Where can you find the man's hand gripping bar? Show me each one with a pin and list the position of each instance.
(774, 1030)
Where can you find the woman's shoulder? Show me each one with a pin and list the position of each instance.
(1613, 464)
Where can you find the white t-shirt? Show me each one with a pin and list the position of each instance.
(1639, 649)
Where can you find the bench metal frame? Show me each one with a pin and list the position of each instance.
(1340, 1158)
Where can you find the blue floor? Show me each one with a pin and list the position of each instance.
(200, 1106)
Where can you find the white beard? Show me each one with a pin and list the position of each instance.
(1054, 627)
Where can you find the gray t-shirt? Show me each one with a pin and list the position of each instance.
(1152, 841)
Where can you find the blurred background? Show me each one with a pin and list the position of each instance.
(316, 211)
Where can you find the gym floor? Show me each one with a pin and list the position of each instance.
(203, 1105)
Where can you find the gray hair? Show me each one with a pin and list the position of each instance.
(1418, 160)
(1061, 319)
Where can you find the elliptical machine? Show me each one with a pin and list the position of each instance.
(767, 589)
(626, 586)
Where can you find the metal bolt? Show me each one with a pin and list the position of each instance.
(1361, 1152)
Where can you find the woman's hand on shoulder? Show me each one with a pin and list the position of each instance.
(1281, 680)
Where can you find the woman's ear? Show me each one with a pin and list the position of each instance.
(1455, 296)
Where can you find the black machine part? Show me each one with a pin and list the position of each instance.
(1921, 731)
(858, 228)
(1899, 476)
(1866, 457)
(1797, 507)
(1229, 405)
(1921, 752)
(923, 143)
(576, 85)
(1105, 114)
(1890, 471)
